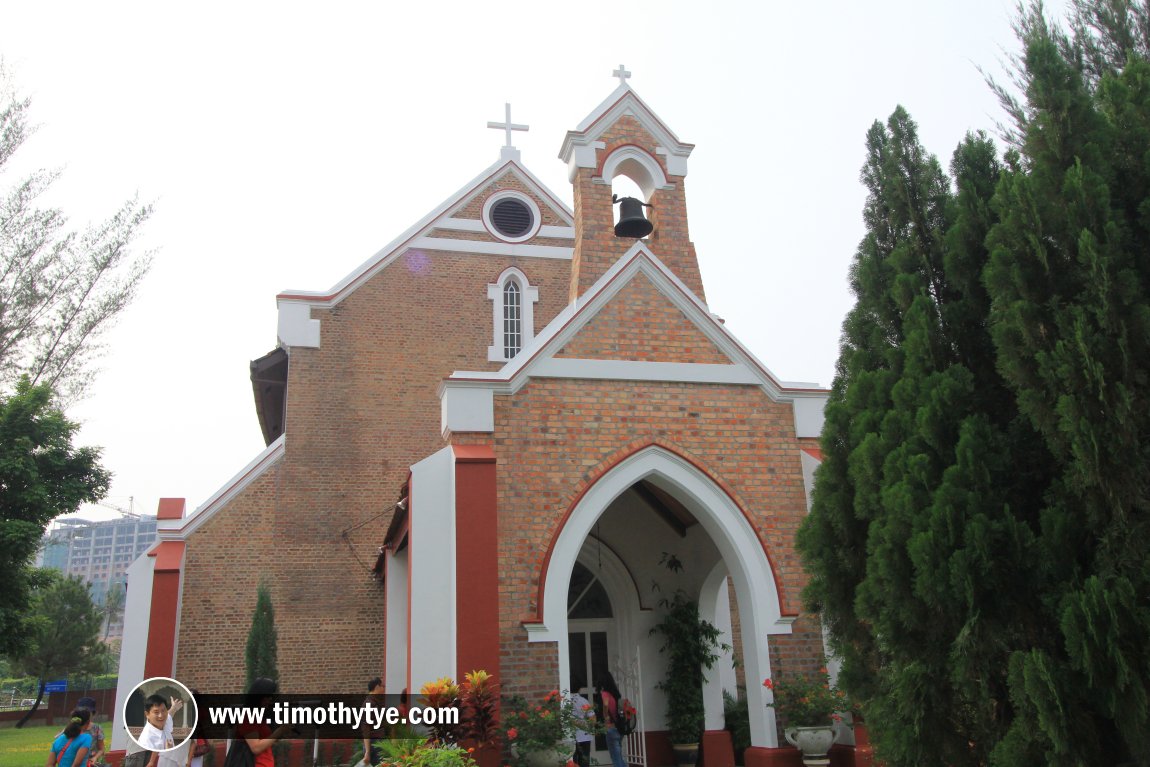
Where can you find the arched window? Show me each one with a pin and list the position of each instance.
(513, 318)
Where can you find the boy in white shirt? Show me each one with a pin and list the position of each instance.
(155, 736)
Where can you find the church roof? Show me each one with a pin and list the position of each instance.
(394, 249)
(579, 144)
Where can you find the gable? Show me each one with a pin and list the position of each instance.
(460, 225)
(640, 323)
(471, 207)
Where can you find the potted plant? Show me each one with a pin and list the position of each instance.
(543, 735)
(809, 707)
(691, 646)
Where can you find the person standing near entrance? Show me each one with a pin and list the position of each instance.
(584, 711)
(611, 697)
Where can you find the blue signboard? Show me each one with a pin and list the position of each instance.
(59, 685)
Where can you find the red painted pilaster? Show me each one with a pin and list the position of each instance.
(718, 750)
(161, 654)
(477, 561)
(757, 756)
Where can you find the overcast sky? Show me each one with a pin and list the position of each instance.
(284, 143)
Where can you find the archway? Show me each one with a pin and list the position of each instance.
(730, 532)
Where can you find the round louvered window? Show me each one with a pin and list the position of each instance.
(511, 216)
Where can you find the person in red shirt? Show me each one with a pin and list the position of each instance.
(612, 699)
(260, 737)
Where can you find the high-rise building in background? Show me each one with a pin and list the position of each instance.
(98, 552)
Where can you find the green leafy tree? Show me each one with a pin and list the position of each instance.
(260, 654)
(977, 538)
(59, 288)
(65, 631)
(42, 475)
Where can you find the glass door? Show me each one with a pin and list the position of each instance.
(589, 650)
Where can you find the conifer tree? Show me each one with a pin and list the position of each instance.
(977, 541)
(260, 653)
(1069, 278)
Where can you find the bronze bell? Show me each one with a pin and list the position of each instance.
(632, 222)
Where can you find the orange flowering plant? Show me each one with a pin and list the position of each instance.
(807, 701)
(547, 727)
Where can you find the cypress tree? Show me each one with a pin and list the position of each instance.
(260, 654)
(977, 541)
(912, 533)
(1069, 278)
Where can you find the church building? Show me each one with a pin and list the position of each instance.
(484, 446)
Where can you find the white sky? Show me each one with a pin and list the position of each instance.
(285, 143)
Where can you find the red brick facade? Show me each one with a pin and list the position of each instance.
(647, 366)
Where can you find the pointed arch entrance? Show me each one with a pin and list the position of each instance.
(732, 535)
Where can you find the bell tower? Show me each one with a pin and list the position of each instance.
(622, 137)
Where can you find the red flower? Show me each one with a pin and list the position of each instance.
(512, 733)
(768, 684)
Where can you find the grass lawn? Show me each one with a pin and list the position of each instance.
(26, 747)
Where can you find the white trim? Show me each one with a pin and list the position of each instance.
(396, 609)
(676, 163)
(633, 370)
(511, 194)
(493, 248)
(734, 537)
(637, 165)
(809, 416)
(295, 327)
(529, 297)
(809, 464)
(134, 644)
(470, 409)
(475, 225)
(431, 543)
(715, 608)
(539, 355)
(400, 245)
(577, 149)
(178, 530)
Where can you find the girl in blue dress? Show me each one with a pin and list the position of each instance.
(70, 748)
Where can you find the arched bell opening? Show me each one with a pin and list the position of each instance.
(634, 176)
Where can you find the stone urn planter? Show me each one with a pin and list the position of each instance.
(686, 754)
(556, 757)
(814, 742)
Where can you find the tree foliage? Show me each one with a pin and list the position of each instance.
(59, 288)
(65, 628)
(42, 475)
(260, 653)
(977, 542)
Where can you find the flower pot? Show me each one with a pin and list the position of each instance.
(686, 754)
(814, 742)
(553, 757)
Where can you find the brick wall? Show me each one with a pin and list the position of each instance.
(597, 248)
(655, 330)
(360, 410)
(556, 437)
